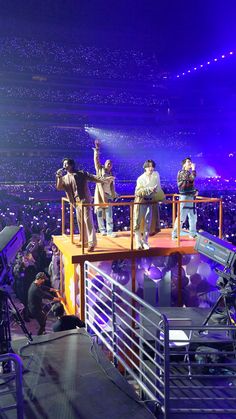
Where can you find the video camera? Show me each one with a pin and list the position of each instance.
(225, 254)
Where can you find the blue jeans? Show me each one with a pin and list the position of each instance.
(187, 209)
(108, 217)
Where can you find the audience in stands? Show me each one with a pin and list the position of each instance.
(54, 268)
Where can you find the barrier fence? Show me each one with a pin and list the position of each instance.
(11, 391)
(176, 366)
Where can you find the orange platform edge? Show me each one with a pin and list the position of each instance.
(72, 259)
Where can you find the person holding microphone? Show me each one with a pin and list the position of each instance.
(185, 181)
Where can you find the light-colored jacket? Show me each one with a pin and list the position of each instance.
(81, 178)
(143, 194)
(99, 196)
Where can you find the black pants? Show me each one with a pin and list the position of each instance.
(41, 319)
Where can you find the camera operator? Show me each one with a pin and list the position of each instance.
(36, 293)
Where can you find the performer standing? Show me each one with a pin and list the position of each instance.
(104, 193)
(146, 217)
(75, 184)
(185, 180)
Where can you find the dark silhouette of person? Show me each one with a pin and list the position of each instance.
(65, 322)
(37, 292)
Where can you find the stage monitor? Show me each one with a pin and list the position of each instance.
(216, 249)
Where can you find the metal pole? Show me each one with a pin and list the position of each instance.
(178, 223)
(220, 218)
(62, 216)
(82, 228)
(131, 225)
(82, 291)
(173, 210)
(114, 331)
(179, 279)
(71, 224)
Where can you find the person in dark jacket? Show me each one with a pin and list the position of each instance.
(37, 292)
(65, 322)
(185, 180)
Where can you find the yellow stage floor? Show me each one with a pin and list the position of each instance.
(119, 247)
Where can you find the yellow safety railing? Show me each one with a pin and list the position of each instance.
(173, 201)
(199, 199)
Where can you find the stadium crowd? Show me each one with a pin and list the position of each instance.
(30, 205)
(52, 58)
(74, 95)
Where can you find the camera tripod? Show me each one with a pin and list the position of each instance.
(227, 286)
(7, 306)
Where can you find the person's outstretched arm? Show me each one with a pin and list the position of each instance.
(96, 156)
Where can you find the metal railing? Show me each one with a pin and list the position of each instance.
(198, 200)
(9, 392)
(175, 203)
(163, 356)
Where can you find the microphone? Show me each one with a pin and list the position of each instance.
(60, 171)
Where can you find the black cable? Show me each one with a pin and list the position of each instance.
(49, 340)
(94, 355)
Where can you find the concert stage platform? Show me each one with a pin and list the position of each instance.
(68, 377)
(110, 249)
(119, 247)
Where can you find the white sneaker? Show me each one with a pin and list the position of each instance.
(193, 236)
(113, 234)
(145, 246)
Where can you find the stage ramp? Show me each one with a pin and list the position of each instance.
(178, 366)
(67, 376)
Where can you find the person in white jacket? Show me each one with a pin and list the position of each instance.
(146, 215)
